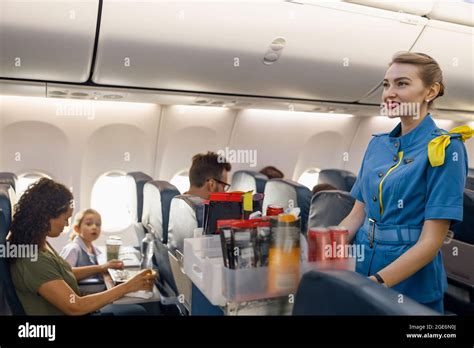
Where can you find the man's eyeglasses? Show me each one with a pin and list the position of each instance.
(226, 185)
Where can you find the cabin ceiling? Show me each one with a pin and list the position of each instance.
(276, 54)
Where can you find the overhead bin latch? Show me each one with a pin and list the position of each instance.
(408, 19)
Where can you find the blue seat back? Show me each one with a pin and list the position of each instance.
(280, 191)
(140, 180)
(329, 208)
(464, 231)
(157, 197)
(9, 302)
(339, 178)
(470, 182)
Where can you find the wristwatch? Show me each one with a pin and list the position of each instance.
(379, 278)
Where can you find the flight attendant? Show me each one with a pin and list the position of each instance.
(410, 186)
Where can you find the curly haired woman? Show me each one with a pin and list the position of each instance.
(43, 211)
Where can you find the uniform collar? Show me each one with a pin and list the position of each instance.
(420, 132)
(78, 240)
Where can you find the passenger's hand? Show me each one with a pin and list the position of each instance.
(113, 264)
(144, 280)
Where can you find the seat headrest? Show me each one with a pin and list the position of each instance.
(349, 293)
(463, 230)
(140, 179)
(247, 180)
(329, 208)
(280, 191)
(8, 178)
(157, 196)
(470, 182)
(340, 179)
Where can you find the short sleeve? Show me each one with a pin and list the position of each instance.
(445, 184)
(70, 253)
(38, 272)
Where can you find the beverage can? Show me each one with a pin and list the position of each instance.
(339, 238)
(319, 240)
(274, 210)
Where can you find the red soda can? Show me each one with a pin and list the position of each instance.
(318, 240)
(274, 210)
(340, 238)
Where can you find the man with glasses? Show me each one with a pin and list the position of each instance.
(208, 173)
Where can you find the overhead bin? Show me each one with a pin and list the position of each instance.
(219, 47)
(47, 40)
(452, 46)
(453, 11)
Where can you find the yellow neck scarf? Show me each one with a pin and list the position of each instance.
(437, 146)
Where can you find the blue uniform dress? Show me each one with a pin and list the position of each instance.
(400, 190)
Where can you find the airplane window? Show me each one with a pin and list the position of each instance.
(181, 181)
(25, 180)
(111, 197)
(309, 178)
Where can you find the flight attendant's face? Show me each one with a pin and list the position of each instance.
(58, 224)
(404, 93)
(90, 227)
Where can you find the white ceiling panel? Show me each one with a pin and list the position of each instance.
(22, 88)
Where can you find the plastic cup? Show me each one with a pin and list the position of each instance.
(113, 249)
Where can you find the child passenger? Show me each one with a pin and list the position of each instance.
(80, 251)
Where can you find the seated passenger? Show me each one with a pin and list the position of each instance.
(80, 251)
(47, 284)
(208, 173)
(272, 172)
(323, 187)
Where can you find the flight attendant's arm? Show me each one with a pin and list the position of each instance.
(415, 258)
(355, 219)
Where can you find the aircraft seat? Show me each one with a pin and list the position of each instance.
(470, 182)
(459, 252)
(247, 180)
(186, 214)
(329, 208)
(339, 178)
(349, 293)
(280, 191)
(9, 302)
(139, 179)
(157, 196)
